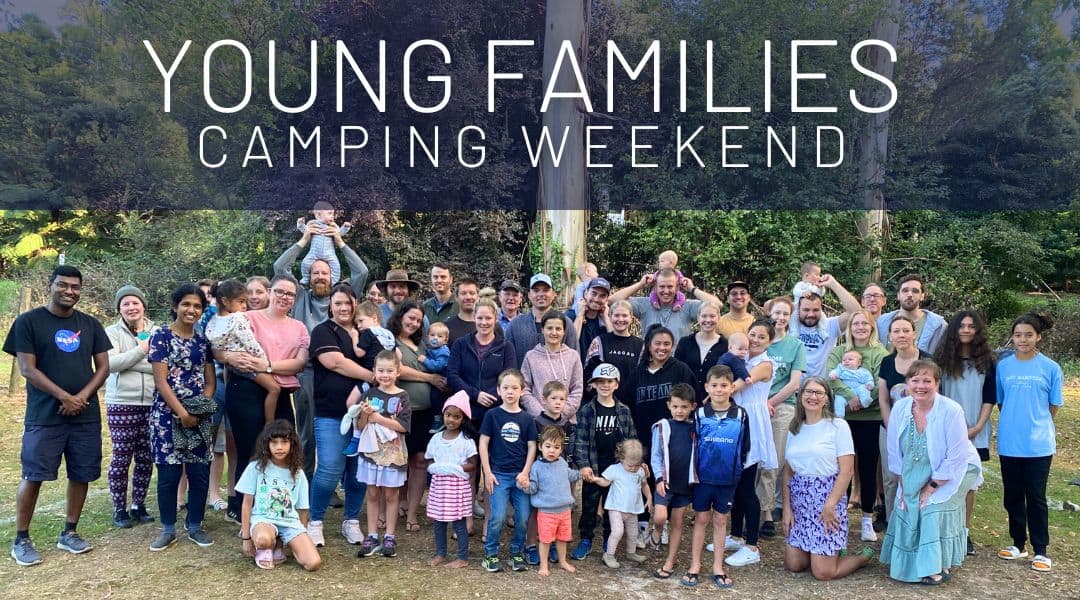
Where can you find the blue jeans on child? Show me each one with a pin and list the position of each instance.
(462, 538)
(331, 465)
(506, 491)
(168, 482)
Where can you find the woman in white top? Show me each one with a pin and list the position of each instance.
(820, 461)
(753, 398)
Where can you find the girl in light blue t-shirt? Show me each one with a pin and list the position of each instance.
(1029, 392)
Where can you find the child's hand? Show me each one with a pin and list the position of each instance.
(347, 224)
(522, 480)
(587, 474)
(300, 221)
(834, 376)
(870, 386)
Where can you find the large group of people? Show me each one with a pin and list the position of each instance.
(763, 421)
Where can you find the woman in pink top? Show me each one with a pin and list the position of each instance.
(285, 341)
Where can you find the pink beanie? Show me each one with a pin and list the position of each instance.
(460, 401)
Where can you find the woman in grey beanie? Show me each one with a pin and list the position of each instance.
(129, 391)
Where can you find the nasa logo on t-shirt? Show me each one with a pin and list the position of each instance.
(67, 340)
(510, 432)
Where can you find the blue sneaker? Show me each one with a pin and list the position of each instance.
(73, 543)
(582, 550)
(24, 553)
(532, 555)
(553, 554)
(353, 449)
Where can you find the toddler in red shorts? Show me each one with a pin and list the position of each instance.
(549, 486)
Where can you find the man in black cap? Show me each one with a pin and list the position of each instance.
(590, 314)
(509, 303)
(738, 318)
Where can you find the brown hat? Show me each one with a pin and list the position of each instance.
(399, 276)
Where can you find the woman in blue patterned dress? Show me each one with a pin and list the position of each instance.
(929, 451)
(819, 463)
(180, 415)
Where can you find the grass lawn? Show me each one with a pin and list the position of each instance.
(121, 567)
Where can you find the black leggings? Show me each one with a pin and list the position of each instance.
(244, 405)
(864, 435)
(746, 508)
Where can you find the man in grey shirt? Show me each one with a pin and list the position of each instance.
(311, 308)
(667, 283)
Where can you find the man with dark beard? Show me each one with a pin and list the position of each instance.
(311, 308)
(929, 326)
(819, 334)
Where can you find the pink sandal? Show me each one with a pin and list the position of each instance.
(264, 558)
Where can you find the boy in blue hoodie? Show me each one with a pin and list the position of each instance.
(549, 485)
(721, 445)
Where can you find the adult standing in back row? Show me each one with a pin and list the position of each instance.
(55, 346)
(524, 332)
(929, 326)
(678, 321)
(311, 308)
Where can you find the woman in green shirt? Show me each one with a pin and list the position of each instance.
(862, 336)
(789, 363)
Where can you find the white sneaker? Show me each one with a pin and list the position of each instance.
(644, 534)
(350, 530)
(710, 547)
(745, 556)
(664, 535)
(868, 533)
(314, 531)
(733, 543)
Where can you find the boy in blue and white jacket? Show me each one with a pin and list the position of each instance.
(721, 445)
(672, 462)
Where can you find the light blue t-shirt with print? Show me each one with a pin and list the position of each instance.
(278, 494)
(1026, 389)
(818, 341)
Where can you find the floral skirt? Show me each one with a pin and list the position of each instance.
(808, 496)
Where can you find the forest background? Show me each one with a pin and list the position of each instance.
(989, 116)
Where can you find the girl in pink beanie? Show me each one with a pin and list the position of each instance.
(451, 457)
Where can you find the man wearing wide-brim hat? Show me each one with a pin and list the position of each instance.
(397, 287)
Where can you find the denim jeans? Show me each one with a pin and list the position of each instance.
(331, 464)
(462, 538)
(506, 492)
(168, 482)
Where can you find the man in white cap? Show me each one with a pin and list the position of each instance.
(524, 330)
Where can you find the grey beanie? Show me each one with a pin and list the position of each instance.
(129, 290)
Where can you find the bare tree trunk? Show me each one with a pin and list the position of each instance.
(563, 193)
(873, 143)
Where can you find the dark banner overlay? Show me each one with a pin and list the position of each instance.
(518, 105)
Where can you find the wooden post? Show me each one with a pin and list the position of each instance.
(563, 191)
(16, 380)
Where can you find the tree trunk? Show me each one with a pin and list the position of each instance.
(873, 143)
(563, 192)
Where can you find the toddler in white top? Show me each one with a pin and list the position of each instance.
(810, 272)
(628, 484)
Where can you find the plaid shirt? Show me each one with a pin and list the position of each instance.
(583, 443)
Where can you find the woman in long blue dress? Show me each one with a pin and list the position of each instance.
(930, 452)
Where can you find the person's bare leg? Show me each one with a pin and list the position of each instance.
(560, 551)
(697, 542)
(76, 498)
(825, 568)
(719, 532)
(26, 501)
(393, 501)
(796, 560)
(675, 529)
(416, 483)
(545, 547)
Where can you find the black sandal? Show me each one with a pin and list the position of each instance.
(690, 579)
(662, 573)
(722, 581)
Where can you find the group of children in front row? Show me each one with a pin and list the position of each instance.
(696, 459)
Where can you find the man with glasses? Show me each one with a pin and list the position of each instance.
(64, 355)
(311, 308)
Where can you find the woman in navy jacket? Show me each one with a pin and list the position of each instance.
(477, 359)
